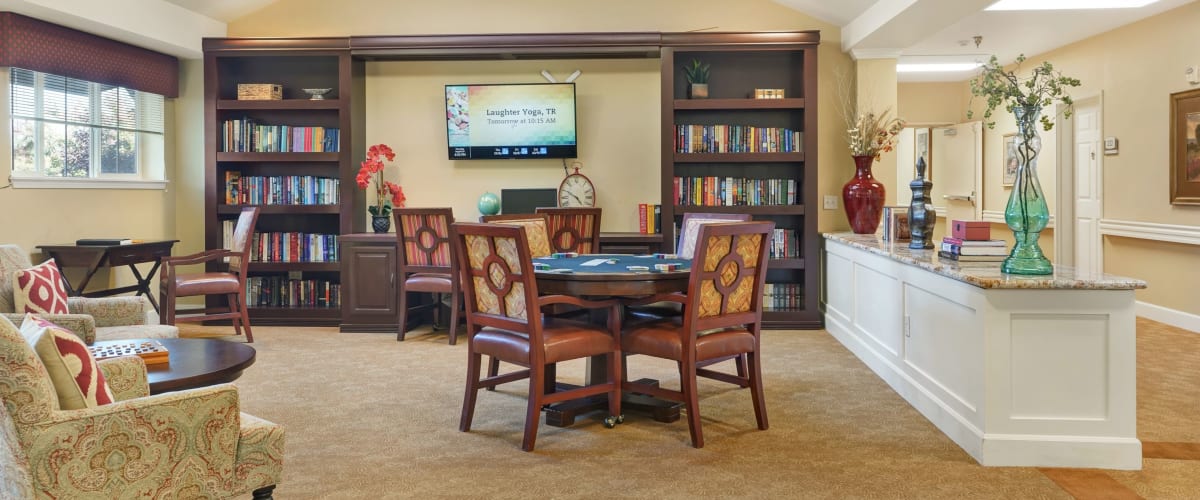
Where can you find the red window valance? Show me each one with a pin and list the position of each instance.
(41, 46)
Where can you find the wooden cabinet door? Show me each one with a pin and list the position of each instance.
(369, 287)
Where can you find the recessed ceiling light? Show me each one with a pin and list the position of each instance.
(1068, 4)
(932, 67)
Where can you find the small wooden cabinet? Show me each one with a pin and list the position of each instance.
(630, 243)
(369, 282)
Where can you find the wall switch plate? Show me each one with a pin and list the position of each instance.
(1191, 74)
(830, 202)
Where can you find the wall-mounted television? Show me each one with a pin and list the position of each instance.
(520, 120)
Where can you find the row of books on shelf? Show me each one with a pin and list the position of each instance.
(649, 218)
(245, 136)
(280, 291)
(280, 190)
(287, 246)
(964, 250)
(732, 191)
(737, 139)
(784, 244)
(783, 296)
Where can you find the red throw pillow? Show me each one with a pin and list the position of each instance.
(73, 371)
(40, 290)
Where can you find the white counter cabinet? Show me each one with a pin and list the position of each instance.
(1018, 371)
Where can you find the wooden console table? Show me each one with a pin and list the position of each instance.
(94, 257)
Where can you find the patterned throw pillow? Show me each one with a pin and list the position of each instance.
(40, 289)
(73, 371)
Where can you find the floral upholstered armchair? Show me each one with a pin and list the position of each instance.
(187, 444)
(108, 318)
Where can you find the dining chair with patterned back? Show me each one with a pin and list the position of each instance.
(538, 226)
(504, 321)
(230, 283)
(573, 229)
(427, 264)
(722, 318)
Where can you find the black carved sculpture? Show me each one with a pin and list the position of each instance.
(921, 215)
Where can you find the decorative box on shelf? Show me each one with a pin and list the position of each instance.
(971, 229)
(259, 92)
(768, 93)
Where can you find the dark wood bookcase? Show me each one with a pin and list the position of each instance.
(741, 63)
(296, 64)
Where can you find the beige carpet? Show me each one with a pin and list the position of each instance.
(368, 417)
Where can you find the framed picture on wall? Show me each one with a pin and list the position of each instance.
(1010, 160)
(1185, 148)
(922, 140)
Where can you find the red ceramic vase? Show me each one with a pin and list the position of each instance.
(863, 197)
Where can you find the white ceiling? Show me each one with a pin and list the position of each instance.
(909, 30)
(913, 30)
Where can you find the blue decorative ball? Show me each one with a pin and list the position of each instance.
(489, 204)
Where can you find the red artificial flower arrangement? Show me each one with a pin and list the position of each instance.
(387, 194)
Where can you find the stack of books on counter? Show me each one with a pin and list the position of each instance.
(970, 242)
(961, 250)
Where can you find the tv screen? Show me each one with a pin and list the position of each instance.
(522, 120)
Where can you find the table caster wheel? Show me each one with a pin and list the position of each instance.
(621, 418)
(611, 422)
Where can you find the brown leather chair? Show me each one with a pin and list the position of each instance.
(539, 230)
(504, 321)
(427, 263)
(573, 229)
(231, 283)
(722, 318)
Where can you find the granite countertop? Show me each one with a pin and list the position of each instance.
(984, 274)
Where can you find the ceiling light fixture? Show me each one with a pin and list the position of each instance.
(1068, 4)
(934, 67)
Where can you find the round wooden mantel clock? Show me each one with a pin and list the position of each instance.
(576, 190)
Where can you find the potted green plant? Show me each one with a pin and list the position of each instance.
(1026, 212)
(697, 77)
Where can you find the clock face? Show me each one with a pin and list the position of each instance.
(576, 191)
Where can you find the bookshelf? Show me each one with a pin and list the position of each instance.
(738, 154)
(293, 158)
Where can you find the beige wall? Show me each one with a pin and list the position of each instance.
(932, 103)
(618, 100)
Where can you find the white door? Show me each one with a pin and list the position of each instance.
(1088, 204)
(957, 163)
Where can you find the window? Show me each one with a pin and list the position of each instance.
(64, 128)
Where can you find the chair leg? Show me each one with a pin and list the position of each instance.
(740, 362)
(756, 390)
(245, 318)
(468, 411)
(264, 493)
(231, 300)
(693, 404)
(455, 304)
(493, 370)
(402, 319)
(437, 310)
(533, 413)
(166, 300)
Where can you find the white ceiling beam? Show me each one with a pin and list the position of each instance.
(894, 24)
(152, 24)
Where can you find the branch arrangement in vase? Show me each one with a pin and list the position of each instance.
(1042, 88)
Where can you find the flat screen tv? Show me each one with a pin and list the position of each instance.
(521, 120)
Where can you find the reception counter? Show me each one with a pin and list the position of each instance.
(1017, 370)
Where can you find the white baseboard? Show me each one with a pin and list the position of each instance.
(1173, 317)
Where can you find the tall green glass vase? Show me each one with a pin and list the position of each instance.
(1027, 213)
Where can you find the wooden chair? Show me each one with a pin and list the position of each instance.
(426, 264)
(231, 283)
(573, 229)
(504, 321)
(538, 226)
(722, 318)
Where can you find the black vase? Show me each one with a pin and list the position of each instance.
(381, 223)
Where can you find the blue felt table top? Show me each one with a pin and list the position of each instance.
(613, 263)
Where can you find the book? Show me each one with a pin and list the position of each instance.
(973, 243)
(102, 241)
(642, 226)
(971, 258)
(969, 250)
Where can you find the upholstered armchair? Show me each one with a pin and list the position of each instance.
(186, 444)
(107, 318)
